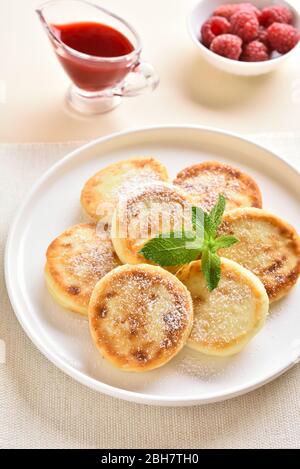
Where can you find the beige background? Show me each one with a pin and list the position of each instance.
(191, 91)
(39, 405)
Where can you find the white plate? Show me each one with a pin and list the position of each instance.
(53, 205)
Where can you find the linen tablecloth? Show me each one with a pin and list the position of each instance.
(40, 407)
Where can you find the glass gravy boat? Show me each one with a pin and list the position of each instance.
(98, 82)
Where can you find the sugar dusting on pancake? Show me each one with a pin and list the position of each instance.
(108, 184)
(140, 316)
(143, 214)
(205, 181)
(76, 260)
(268, 246)
(229, 316)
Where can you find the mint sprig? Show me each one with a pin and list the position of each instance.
(174, 249)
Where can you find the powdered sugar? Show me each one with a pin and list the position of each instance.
(94, 262)
(224, 315)
(85, 257)
(208, 187)
(135, 180)
(149, 306)
(152, 209)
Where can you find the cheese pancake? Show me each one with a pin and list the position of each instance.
(76, 260)
(227, 318)
(205, 181)
(101, 192)
(154, 209)
(268, 246)
(140, 317)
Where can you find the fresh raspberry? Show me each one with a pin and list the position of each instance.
(255, 51)
(245, 24)
(250, 7)
(227, 45)
(283, 37)
(275, 14)
(213, 27)
(228, 10)
(263, 36)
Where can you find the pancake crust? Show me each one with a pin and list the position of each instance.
(268, 246)
(205, 181)
(140, 317)
(227, 318)
(153, 209)
(109, 183)
(76, 260)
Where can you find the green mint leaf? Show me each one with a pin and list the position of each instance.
(214, 218)
(198, 220)
(224, 242)
(211, 268)
(170, 251)
(207, 227)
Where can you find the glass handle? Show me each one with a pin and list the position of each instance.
(142, 79)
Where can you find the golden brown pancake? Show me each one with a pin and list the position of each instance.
(140, 317)
(153, 209)
(103, 189)
(268, 246)
(76, 260)
(227, 318)
(205, 181)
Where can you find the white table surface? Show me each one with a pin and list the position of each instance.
(39, 405)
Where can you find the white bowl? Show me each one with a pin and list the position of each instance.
(203, 10)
